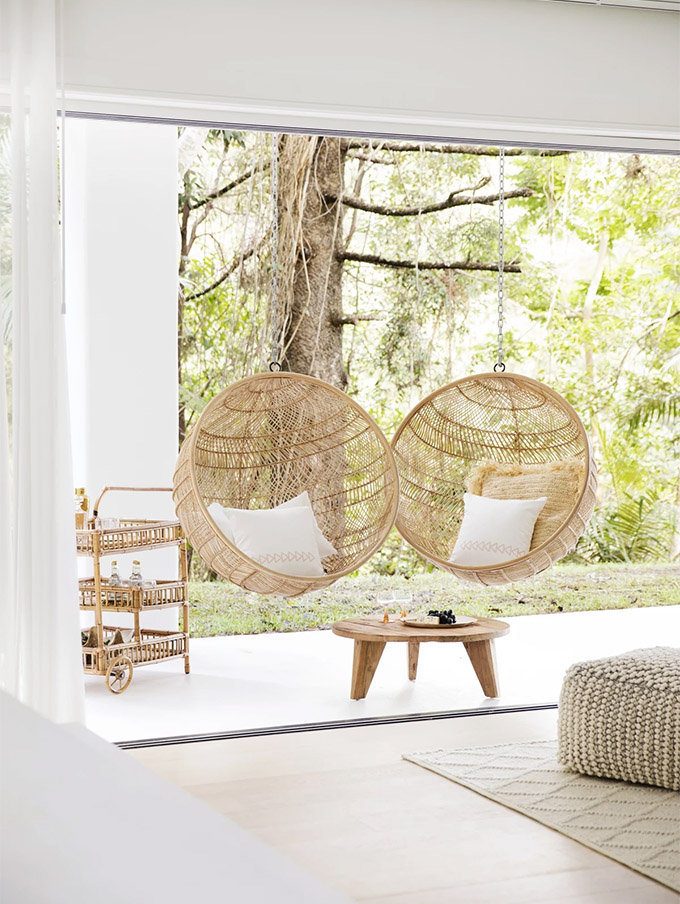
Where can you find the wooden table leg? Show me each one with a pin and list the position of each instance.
(413, 650)
(482, 655)
(366, 658)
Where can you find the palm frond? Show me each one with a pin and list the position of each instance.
(663, 408)
(637, 529)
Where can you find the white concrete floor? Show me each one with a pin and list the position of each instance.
(258, 681)
(346, 807)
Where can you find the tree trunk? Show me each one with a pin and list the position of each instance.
(310, 169)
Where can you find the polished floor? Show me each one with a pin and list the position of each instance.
(344, 805)
(264, 680)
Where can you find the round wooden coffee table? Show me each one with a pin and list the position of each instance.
(371, 634)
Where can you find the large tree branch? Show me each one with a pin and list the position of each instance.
(354, 319)
(371, 158)
(453, 200)
(476, 150)
(509, 267)
(239, 180)
(227, 272)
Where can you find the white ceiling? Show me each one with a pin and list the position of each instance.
(572, 73)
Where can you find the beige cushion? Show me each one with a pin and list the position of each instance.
(559, 481)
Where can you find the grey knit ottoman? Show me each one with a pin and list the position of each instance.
(620, 717)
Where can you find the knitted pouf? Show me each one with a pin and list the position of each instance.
(620, 717)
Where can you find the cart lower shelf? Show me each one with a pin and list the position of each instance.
(117, 661)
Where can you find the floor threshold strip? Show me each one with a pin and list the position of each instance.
(366, 722)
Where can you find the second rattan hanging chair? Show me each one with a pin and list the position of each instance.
(502, 418)
(264, 440)
(517, 431)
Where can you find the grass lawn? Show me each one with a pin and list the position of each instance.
(222, 608)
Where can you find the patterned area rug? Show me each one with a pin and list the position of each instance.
(637, 825)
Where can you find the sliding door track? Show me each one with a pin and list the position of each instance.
(328, 726)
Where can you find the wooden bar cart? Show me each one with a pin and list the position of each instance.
(117, 661)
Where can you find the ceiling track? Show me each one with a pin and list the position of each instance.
(664, 5)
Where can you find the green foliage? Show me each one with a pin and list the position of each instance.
(635, 529)
(661, 408)
(396, 558)
(223, 280)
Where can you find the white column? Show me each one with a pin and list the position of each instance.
(121, 297)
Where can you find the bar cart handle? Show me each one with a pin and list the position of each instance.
(95, 509)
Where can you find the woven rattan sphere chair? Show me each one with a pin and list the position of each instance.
(497, 417)
(264, 440)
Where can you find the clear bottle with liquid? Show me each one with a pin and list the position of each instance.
(115, 578)
(136, 579)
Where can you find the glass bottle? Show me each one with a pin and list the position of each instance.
(136, 579)
(114, 580)
(81, 505)
(115, 574)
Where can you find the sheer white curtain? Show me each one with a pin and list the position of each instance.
(39, 617)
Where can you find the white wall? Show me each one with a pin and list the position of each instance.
(121, 297)
(524, 69)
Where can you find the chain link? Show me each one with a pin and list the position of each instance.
(276, 325)
(499, 365)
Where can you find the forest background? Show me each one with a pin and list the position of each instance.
(387, 268)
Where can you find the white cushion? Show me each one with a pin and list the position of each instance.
(325, 548)
(495, 530)
(220, 516)
(281, 539)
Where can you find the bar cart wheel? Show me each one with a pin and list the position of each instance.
(119, 674)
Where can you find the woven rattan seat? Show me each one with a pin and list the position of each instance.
(500, 417)
(264, 440)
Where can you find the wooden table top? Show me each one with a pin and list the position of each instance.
(374, 629)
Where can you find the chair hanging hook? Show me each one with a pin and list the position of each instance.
(500, 366)
(276, 326)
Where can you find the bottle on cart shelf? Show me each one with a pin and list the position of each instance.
(82, 504)
(114, 580)
(115, 574)
(136, 579)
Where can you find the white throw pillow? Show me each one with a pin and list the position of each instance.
(325, 547)
(495, 530)
(220, 516)
(281, 539)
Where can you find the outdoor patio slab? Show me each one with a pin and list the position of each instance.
(264, 680)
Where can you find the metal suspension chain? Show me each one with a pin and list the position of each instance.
(276, 324)
(499, 365)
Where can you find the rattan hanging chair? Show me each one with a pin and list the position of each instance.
(457, 431)
(264, 440)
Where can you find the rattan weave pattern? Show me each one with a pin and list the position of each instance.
(620, 717)
(500, 417)
(268, 438)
